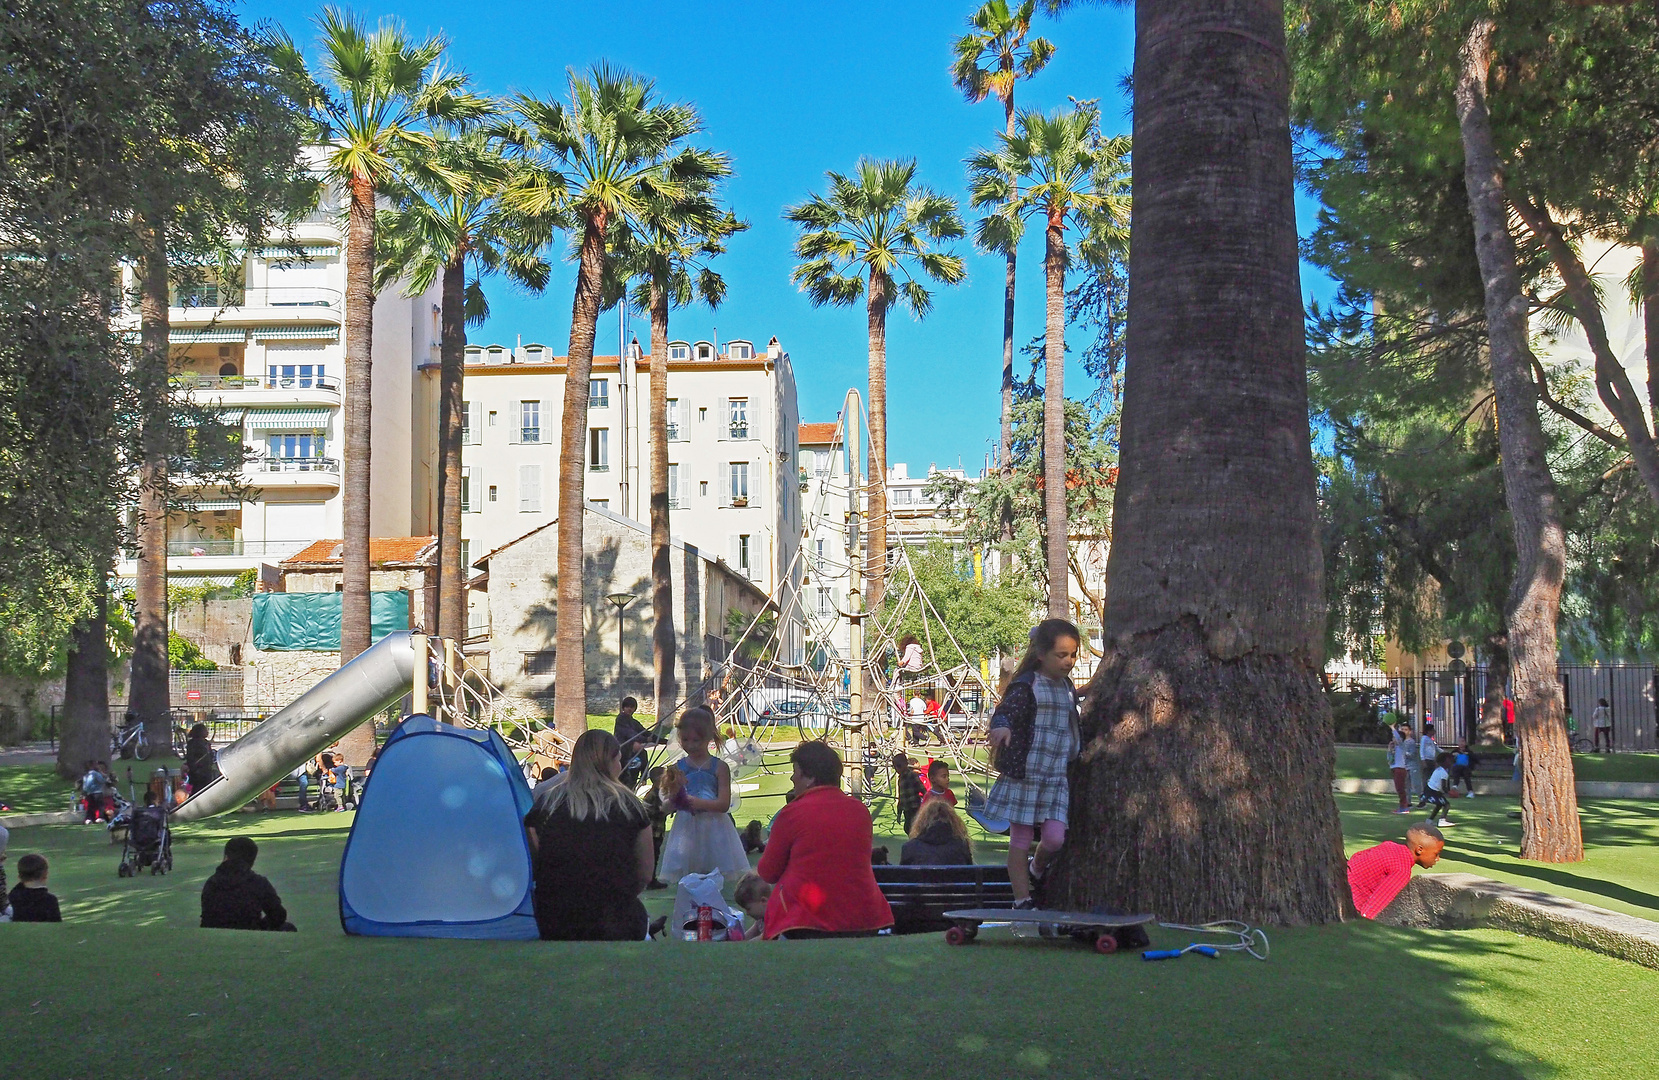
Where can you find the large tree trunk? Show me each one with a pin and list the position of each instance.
(1054, 421)
(1549, 806)
(1497, 688)
(664, 686)
(1204, 786)
(452, 363)
(1613, 383)
(1005, 445)
(83, 735)
(354, 553)
(147, 692)
(570, 698)
(875, 581)
(1650, 322)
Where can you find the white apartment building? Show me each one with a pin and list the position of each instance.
(732, 429)
(264, 348)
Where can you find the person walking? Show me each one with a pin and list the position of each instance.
(1428, 750)
(1601, 726)
(1397, 764)
(1414, 764)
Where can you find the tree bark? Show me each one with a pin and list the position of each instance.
(1613, 383)
(1204, 787)
(452, 364)
(84, 734)
(354, 550)
(1549, 806)
(570, 698)
(1497, 686)
(1650, 323)
(1056, 533)
(875, 580)
(664, 686)
(147, 690)
(1005, 446)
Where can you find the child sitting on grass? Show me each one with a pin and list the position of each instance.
(30, 900)
(1378, 874)
(751, 895)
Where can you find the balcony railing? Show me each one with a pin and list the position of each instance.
(255, 382)
(673, 433)
(739, 429)
(296, 465)
(222, 548)
(216, 297)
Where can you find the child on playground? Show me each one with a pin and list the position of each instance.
(1377, 874)
(1033, 739)
(1435, 790)
(750, 896)
(703, 839)
(910, 790)
(938, 782)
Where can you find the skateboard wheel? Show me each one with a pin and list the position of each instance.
(956, 936)
(1106, 944)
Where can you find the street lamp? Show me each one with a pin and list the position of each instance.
(619, 600)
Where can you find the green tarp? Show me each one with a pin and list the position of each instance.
(290, 621)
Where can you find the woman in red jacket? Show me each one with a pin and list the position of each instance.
(818, 857)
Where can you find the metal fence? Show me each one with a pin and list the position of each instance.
(1453, 699)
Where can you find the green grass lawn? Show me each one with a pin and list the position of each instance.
(1371, 763)
(1357, 1000)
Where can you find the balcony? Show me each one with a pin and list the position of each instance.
(738, 429)
(266, 303)
(294, 472)
(216, 557)
(252, 390)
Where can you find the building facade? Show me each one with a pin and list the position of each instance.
(732, 424)
(262, 347)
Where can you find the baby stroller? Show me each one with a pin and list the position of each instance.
(149, 843)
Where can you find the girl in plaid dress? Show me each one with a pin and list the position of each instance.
(1033, 741)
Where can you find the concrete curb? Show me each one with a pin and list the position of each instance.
(23, 821)
(1587, 789)
(1467, 902)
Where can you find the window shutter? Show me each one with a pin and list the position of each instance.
(474, 502)
(529, 489)
(475, 422)
(515, 422)
(731, 554)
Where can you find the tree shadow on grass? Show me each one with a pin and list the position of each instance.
(1545, 872)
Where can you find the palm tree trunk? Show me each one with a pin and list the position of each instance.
(1005, 446)
(663, 684)
(147, 693)
(570, 698)
(1204, 785)
(1613, 383)
(1054, 421)
(1549, 805)
(875, 580)
(452, 361)
(84, 733)
(354, 552)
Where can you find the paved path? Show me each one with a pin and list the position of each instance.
(31, 753)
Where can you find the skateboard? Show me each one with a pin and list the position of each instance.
(1080, 925)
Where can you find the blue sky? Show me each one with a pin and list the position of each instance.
(789, 91)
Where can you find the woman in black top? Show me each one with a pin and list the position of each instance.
(938, 838)
(198, 758)
(591, 839)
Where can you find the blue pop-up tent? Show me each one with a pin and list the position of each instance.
(438, 847)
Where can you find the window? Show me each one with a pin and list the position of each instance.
(466, 559)
(529, 489)
(492, 492)
(809, 463)
(703, 488)
(529, 421)
(740, 350)
(294, 445)
(673, 419)
(826, 605)
(737, 417)
(599, 393)
(492, 418)
(825, 462)
(466, 422)
(294, 376)
(467, 505)
(738, 483)
(702, 415)
(820, 553)
(674, 500)
(599, 450)
(705, 351)
(901, 496)
(538, 664)
(679, 352)
(743, 552)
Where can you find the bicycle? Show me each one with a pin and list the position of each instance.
(130, 742)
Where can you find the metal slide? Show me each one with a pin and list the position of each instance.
(375, 680)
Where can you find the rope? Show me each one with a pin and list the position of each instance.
(1249, 939)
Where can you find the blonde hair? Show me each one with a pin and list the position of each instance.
(750, 887)
(934, 811)
(587, 791)
(696, 721)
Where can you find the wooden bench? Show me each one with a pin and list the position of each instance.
(920, 895)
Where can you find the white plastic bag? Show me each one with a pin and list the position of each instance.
(693, 892)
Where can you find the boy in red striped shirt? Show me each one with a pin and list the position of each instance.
(1378, 874)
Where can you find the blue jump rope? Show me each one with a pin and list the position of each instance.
(1249, 939)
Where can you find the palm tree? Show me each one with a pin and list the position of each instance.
(667, 254)
(990, 59)
(1074, 178)
(449, 222)
(593, 163)
(1207, 785)
(387, 89)
(877, 234)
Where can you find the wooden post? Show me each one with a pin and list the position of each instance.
(855, 603)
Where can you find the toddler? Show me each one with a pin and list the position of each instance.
(751, 896)
(30, 900)
(703, 838)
